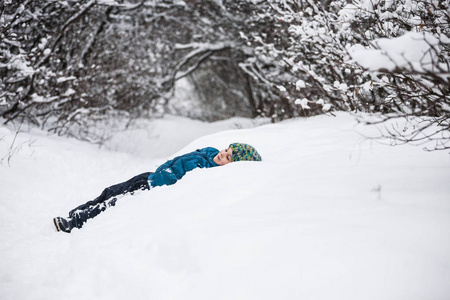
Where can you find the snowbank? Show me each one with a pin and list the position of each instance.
(325, 215)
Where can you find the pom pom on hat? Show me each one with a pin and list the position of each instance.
(244, 152)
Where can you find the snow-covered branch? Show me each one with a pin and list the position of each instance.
(200, 52)
(83, 10)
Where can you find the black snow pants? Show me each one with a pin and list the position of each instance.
(107, 198)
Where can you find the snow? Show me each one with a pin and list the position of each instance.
(368, 86)
(411, 51)
(69, 92)
(19, 62)
(302, 102)
(162, 137)
(326, 107)
(300, 84)
(348, 12)
(64, 79)
(326, 214)
(281, 88)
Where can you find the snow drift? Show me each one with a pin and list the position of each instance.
(325, 215)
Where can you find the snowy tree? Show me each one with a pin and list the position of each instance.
(70, 64)
(320, 55)
(37, 57)
(67, 65)
(409, 64)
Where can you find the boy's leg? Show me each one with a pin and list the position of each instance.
(107, 198)
(81, 216)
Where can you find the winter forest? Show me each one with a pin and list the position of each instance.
(347, 101)
(66, 65)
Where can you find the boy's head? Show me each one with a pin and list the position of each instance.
(237, 152)
(244, 152)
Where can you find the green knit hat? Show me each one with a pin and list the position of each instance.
(244, 152)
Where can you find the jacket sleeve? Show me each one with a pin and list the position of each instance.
(165, 174)
(173, 170)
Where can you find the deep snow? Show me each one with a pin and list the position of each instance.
(325, 215)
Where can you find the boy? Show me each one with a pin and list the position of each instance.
(167, 174)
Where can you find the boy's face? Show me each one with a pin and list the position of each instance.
(224, 157)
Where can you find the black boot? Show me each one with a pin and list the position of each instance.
(62, 224)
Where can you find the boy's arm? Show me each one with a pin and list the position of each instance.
(173, 170)
(164, 175)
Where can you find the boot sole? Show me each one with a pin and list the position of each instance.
(55, 221)
(60, 225)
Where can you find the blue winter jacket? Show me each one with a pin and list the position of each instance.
(171, 171)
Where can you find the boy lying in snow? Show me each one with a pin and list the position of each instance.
(167, 174)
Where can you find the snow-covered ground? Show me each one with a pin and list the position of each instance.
(325, 215)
